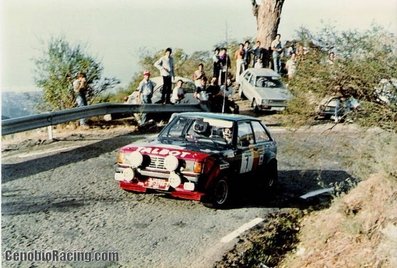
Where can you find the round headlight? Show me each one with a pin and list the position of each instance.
(171, 163)
(135, 159)
(128, 174)
(174, 180)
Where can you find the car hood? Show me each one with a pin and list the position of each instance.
(181, 149)
(274, 93)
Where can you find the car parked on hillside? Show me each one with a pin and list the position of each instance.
(336, 107)
(201, 156)
(264, 89)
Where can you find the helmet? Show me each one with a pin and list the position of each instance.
(227, 134)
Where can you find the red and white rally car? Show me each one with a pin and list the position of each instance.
(201, 155)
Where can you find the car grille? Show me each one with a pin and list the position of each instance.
(156, 162)
(277, 101)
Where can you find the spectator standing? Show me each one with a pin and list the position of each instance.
(215, 97)
(178, 93)
(198, 74)
(216, 63)
(291, 66)
(239, 57)
(247, 54)
(80, 88)
(224, 61)
(276, 47)
(145, 93)
(166, 66)
(258, 53)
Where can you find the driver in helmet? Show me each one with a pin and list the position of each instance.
(227, 135)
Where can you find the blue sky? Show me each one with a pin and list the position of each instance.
(115, 31)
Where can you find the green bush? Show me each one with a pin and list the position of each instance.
(363, 60)
(57, 68)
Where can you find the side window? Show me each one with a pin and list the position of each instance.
(252, 80)
(260, 81)
(247, 76)
(259, 132)
(245, 137)
(177, 128)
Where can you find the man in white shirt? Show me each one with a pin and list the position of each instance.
(178, 93)
(166, 66)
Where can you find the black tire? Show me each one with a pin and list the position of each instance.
(255, 106)
(269, 178)
(221, 196)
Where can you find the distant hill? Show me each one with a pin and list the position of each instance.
(17, 104)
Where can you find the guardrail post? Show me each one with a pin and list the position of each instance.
(50, 133)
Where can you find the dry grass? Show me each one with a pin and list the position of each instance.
(360, 228)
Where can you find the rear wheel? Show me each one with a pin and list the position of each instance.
(268, 180)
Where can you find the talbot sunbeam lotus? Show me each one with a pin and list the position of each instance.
(201, 156)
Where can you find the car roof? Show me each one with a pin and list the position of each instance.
(263, 72)
(228, 117)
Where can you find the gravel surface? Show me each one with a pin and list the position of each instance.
(62, 196)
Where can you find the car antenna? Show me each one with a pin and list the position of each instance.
(226, 75)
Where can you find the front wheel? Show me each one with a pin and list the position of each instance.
(255, 106)
(219, 194)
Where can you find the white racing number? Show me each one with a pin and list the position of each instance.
(247, 160)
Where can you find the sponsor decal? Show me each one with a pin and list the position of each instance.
(247, 161)
(224, 165)
(161, 151)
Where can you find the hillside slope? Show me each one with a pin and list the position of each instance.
(360, 228)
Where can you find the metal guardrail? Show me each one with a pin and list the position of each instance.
(15, 125)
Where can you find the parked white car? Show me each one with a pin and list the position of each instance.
(264, 89)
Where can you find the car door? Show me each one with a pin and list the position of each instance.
(245, 148)
(245, 81)
(250, 88)
(264, 145)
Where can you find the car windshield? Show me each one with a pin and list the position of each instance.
(268, 82)
(211, 130)
(215, 131)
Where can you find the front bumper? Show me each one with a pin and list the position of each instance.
(273, 105)
(271, 108)
(144, 180)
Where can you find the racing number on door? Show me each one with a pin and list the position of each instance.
(247, 160)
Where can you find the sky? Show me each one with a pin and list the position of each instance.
(114, 31)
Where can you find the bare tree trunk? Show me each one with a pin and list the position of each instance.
(268, 14)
